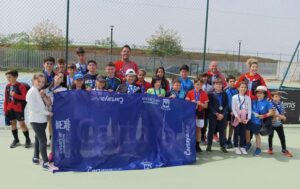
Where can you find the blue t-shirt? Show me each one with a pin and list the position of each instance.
(260, 107)
(186, 84)
(179, 95)
(230, 93)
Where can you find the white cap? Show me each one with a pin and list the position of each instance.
(261, 88)
(130, 72)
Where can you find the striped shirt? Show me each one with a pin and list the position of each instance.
(279, 110)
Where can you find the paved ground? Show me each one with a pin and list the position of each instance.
(215, 170)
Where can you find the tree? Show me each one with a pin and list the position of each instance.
(106, 42)
(15, 40)
(47, 35)
(165, 42)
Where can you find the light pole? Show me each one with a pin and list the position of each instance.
(239, 57)
(111, 40)
(67, 33)
(205, 35)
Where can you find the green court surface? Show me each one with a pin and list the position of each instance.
(212, 171)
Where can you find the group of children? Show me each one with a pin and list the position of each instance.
(218, 108)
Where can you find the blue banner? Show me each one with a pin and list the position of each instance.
(101, 131)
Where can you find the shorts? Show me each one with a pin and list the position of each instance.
(254, 128)
(200, 123)
(12, 115)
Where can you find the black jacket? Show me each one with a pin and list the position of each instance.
(213, 105)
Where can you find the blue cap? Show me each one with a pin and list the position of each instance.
(78, 76)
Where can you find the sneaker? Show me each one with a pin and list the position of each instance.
(50, 167)
(270, 151)
(287, 153)
(208, 149)
(257, 152)
(243, 150)
(223, 149)
(248, 146)
(229, 144)
(36, 161)
(203, 141)
(237, 151)
(198, 149)
(216, 138)
(14, 144)
(28, 144)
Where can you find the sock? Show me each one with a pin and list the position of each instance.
(26, 134)
(15, 134)
(197, 144)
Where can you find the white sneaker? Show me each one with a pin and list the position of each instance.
(237, 151)
(243, 150)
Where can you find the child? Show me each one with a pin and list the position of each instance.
(241, 109)
(48, 70)
(277, 124)
(100, 83)
(70, 76)
(38, 116)
(198, 96)
(261, 109)
(218, 110)
(230, 91)
(157, 90)
(177, 91)
(141, 82)
(14, 105)
(81, 66)
(165, 84)
(112, 82)
(62, 66)
(56, 86)
(129, 86)
(207, 88)
(186, 83)
(90, 77)
(78, 83)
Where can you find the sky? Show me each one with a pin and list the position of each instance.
(269, 27)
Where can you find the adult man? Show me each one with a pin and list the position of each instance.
(125, 63)
(214, 73)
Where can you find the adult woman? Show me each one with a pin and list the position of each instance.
(253, 79)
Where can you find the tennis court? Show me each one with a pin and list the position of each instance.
(215, 170)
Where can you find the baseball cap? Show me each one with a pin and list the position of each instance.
(261, 88)
(78, 76)
(130, 72)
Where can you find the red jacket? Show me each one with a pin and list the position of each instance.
(18, 100)
(122, 67)
(253, 82)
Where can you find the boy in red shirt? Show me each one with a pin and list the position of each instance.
(200, 97)
(14, 105)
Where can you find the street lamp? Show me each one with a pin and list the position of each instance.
(111, 40)
(239, 57)
(205, 35)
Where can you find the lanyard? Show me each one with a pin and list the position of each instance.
(54, 88)
(48, 76)
(241, 103)
(159, 91)
(276, 106)
(112, 83)
(184, 84)
(220, 99)
(197, 95)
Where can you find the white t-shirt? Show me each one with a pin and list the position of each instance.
(241, 103)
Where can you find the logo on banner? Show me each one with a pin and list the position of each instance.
(63, 125)
(288, 104)
(187, 141)
(119, 100)
(147, 164)
(150, 100)
(166, 104)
